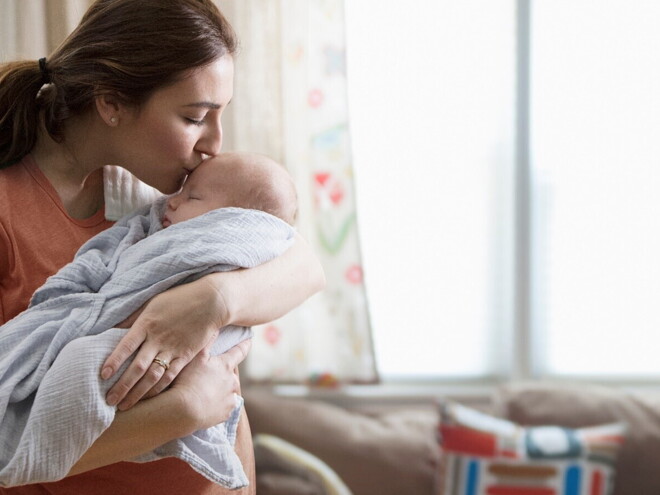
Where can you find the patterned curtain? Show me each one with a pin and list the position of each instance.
(31, 29)
(290, 102)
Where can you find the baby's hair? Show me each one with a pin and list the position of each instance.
(261, 183)
(279, 198)
(127, 48)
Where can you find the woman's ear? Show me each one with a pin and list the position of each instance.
(109, 108)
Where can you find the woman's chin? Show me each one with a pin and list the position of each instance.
(170, 188)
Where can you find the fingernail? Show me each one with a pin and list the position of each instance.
(106, 372)
(112, 399)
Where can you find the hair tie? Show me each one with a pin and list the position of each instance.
(45, 74)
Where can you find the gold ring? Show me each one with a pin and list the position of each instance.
(162, 363)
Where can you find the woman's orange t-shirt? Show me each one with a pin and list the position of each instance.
(38, 237)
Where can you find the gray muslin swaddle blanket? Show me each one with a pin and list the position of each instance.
(52, 399)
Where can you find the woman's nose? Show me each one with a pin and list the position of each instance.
(211, 143)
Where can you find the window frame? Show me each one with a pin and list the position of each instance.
(524, 349)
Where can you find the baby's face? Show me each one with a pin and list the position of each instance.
(199, 194)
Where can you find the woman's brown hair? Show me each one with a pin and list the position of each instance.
(128, 48)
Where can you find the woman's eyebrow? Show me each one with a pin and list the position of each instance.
(204, 104)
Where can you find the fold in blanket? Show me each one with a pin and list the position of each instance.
(124, 193)
(52, 400)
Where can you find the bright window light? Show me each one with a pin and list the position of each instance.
(432, 105)
(595, 127)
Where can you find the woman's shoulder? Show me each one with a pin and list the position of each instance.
(21, 193)
(14, 179)
(13, 191)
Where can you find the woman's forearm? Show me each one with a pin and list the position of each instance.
(271, 290)
(149, 424)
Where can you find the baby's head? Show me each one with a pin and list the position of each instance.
(244, 180)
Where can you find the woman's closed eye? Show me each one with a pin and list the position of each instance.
(195, 121)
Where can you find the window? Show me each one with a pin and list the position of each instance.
(507, 172)
(595, 149)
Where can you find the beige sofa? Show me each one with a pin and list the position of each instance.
(394, 451)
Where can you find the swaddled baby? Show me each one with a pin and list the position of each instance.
(51, 394)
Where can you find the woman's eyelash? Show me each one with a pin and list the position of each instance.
(195, 121)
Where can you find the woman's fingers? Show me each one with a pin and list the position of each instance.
(127, 346)
(140, 365)
(228, 361)
(210, 384)
(237, 354)
(166, 379)
(159, 375)
(151, 372)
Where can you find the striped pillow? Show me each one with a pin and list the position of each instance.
(484, 455)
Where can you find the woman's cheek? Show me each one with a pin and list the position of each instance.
(179, 144)
(186, 139)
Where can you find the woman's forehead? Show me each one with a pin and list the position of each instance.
(210, 87)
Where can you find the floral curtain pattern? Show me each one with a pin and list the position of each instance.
(328, 339)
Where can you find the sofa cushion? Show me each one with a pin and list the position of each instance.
(385, 453)
(484, 455)
(577, 406)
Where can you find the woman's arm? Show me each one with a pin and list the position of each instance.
(267, 292)
(202, 396)
(198, 310)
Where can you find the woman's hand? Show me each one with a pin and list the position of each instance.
(173, 327)
(200, 397)
(210, 384)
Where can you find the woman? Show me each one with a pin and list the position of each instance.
(142, 84)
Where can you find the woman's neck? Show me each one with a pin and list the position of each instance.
(73, 171)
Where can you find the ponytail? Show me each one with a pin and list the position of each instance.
(20, 83)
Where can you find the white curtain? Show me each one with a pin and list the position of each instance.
(289, 103)
(31, 29)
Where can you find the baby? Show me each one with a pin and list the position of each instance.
(243, 180)
(51, 353)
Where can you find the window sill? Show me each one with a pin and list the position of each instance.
(430, 393)
(387, 394)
